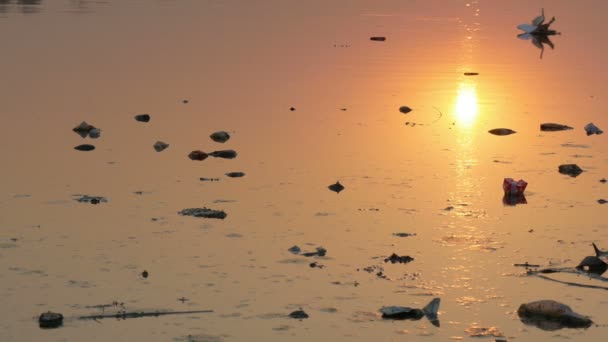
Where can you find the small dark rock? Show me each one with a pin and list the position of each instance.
(220, 137)
(405, 109)
(85, 147)
(226, 154)
(298, 314)
(235, 174)
(394, 258)
(185, 101)
(571, 170)
(142, 117)
(336, 187)
(49, 320)
(198, 155)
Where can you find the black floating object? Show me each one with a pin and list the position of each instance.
(292, 109)
(378, 39)
(204, 212)
(552, 127)
(405, 109)
(145, 274)
(84, 147)
(83, 129)
(471, 73)
(159, 146)
(198, 155)
(394, 259)
(336, 187)
(501, 131)
(602, 201)
(603, 180)
(298, 314)
(185, 101)
(142, 117)
(235, 174)
(226, 154)
(592, 264)
(220, 137)
(571, 170)
(50, 320)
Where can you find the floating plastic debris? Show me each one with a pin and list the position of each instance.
(198, 155)
(298, 314)
(502, 131)
(394, 259)
(512, 187)
(90, 199)
(85, 147)
(336, 187)
(551, 127)
(295, 250)
(378, 39)
(226, 154)
(142, 117)
(471, 73)
(50, 320)
(541, 313)
(591, 129)
(160, 146)
(571, 170)
(83, 129)
(405, 109)
(235, 174)
(402, 312)
(220, 137)
(204, 212)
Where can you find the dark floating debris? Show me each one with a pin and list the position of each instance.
(83, 129)
(226, 154)
(298, 314)
(84, 147)
(91, 199)
(235, 174)
(336, 187)
(220, 137)
(203, 179)
(593, 264)
(552, 127)
(512, 187)
(591, 129)
(598, 252)
(378, 39)
(394, 258)
(142, 117)
(185, 101)
(145, 274)
(204, 212)
(50, 320)
(513, 200)
(403, 312)
(125, 315)
(405, 109)
(198, 155)
(571, 170)
(551, 315)
(603, 180)
(295, 250)
(316, 265)
(160, 146)
(292, 109)
(404, 234)
(471, 73)
(526, 265)
(502, 131)
(319, 252)
(602, 201)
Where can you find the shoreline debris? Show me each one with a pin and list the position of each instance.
(378, 39)
(471, 73)
(235, 174)
(394, 259)
(138, 314)
(298, 314)
(91, 199)
(405, 109)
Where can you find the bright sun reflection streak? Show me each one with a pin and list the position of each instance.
(466, 104)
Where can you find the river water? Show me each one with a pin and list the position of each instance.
(200, 66)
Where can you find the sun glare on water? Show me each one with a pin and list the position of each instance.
(466, 104)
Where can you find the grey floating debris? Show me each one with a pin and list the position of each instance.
(336, 187)
(404, 234)
(541, 313)
(571, 170)
(198, 155)
(204, 212)
(405, 109)
(95, 133)
(160, 146)
(402, 312)
(142, 117)
(226, 154)
(298, 314)
(394, 259)
(320, 252)
(49, 320)
(84, 147)
(602, 201)
(471, 73)
(91, 199)
(235, 174)
(203, 179)
(220, 137)
(551, 127)
(295, 250)
(501, 131)
(378, 39)
(83, 129)
(591, 129)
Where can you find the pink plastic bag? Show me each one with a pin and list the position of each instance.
(511, 187)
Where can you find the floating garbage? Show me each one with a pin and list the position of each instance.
(404, 234)
(49, 320)
(378, 39)
(405, 109)
(551, 315)
(83, 129)
(319, 252)
(403, 312)
(551, 127)
(571, 170)
(591, 129)
(394, 259)
(298, 314)
(203, 212)
(538, 32)
(603, 180)
(295, 250)
(145, 274)
(198, 155)
(204, 179)
(513, 200)
(94, 133)
(160, 146)
(602, 201)
(593, 264)
(85, 147)
(336, 187)
(226, 154)
(501, 131)
(292, 109)
(220, 137)
(512, 187)
(235, 174)
(142, 117)
(598, 252)
(90, 199)
(471, 73)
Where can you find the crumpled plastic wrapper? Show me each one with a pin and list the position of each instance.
(512, 187)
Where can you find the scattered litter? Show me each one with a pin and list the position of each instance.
(592, 264)
(315, 265)
(544, 312)
(602, 201)
(598, 252)
(526, 265)
(220, 137)
(203, 179)
(226, 154)
(83, 129)
(405, 109)
(198, 155)
(571, 170)
(49, 320)
(320, 252)
(512, 187)
(235, 174)
(404, 234)
(142, 117)
(591, 129)
(449, 208)
(295, 250)
(95, 133)
(403, 312)
(551, 127)
(471, 73)
(336, 187)
(84, 147)
(298, 314)
(394, 258)
(160, 146)
(145, 274)
(501, 131)
(378, 39)
(91, 199)
(204, 212)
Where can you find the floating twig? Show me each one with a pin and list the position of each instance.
(138, 314)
